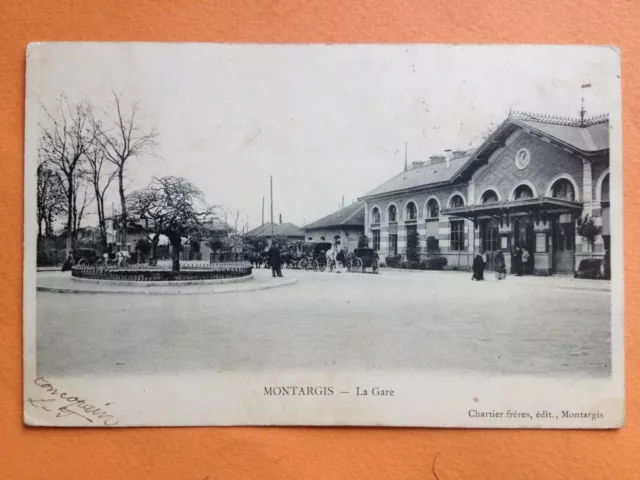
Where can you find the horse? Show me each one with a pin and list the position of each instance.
(334, 255)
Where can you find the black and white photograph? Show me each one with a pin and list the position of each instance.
(367, 235)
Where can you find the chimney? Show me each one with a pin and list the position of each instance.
(458, 154)
(436, 159)
(417, 164)
(280, 218)
(447, 157)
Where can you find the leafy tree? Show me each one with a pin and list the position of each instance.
(174, 207)
(413, 245)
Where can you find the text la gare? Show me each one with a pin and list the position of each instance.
(375, 391)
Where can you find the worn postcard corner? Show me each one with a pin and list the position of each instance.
(395, 235)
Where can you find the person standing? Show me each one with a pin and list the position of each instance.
(525, 261)
(274, 260)
(499, 266)
(478, 268)
(517, 260)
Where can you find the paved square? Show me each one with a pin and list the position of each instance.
(431, 321)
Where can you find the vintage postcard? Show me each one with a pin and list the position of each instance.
(388, 235)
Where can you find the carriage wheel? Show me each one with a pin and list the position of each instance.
(83, 262)
(347, 265)
(302, 265)
(100, 264)
(314, 265)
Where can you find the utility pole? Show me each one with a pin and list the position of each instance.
(271, 188)
(342, 201)
(263, 211)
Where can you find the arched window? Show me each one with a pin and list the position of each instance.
(563, 189)
(309, 238)
(412, 211)
(489, 197)
(456, 202)
(433, 209)
(393, 214)
(604, 193)
(322, 238)
(375, 215)
(523, 192)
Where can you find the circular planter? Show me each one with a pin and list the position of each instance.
(156, 276)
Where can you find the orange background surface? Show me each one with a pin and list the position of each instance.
(306, 453)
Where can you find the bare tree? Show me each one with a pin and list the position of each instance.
(82, 200)
(174, 207)
(62, 145)
(100, 180)
(121, 141)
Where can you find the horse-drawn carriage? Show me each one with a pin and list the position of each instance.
(363, 258)
(315, 256)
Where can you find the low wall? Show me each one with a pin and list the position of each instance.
(150, 274)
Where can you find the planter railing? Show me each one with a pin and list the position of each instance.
(144, 273)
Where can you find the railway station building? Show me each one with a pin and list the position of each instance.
(528, 184)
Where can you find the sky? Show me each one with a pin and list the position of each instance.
(325, 121)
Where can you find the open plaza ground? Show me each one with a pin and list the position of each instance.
(432, 321)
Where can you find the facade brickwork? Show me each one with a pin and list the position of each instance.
(548, 162)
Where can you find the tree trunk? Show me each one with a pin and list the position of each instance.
(123, 205)
(102, 223)
(70, 218)
(153, 254)
(175, 253)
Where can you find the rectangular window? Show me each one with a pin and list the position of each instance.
(393, 244)
(457, 235)
(376, 240)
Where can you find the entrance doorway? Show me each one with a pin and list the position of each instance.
(489, 239)
(563, 242)
(523, 237)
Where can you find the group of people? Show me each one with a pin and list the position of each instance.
(521, 259)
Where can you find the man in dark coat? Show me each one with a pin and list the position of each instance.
(478, 268)
(274, 257)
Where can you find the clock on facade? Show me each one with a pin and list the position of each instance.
(523, 157)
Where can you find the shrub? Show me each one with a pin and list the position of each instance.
(414, 265)
(589, 268)
(433, 245)
(393, 261)
(423, 264)
(404, 264)
(436, 263)
(413, 245)
(382, 265)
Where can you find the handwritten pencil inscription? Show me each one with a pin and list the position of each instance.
(64, 404)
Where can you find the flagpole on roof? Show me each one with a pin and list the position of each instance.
(582, 110)
(405, 156)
